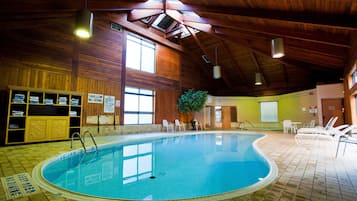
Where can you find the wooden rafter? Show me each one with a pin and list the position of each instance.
(345, 22)
(309, 36)
(121, 19)
(234, 63)
(138, 14)
(203, 49)
(260, 70)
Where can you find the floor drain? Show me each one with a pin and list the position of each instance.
(152, 177)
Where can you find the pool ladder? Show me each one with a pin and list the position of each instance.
(82, 140)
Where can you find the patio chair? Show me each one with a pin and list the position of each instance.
(288, 126)
(166, 126)
(178, 125)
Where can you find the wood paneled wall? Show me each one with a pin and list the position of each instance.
(48, 56)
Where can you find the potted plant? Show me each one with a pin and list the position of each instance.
(192, 101)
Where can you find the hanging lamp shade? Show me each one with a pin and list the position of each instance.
(216, 72)
(216, 68)
(277, 48)
(84, 24)
(258, 79)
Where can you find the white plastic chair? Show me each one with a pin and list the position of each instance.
(167, 126)
(288, 126)
(179, 125)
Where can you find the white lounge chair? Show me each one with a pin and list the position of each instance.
(321, 133)
(318, 129)
(344, 137)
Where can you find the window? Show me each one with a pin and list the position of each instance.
(218, 113)
(140, 54)
(269, 111)
(138, 106)
(354, 77)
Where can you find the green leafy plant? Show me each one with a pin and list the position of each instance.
(192, 101)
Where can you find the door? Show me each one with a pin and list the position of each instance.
(226, 117)
(332, 108)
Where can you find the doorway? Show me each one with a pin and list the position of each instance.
(333, 108)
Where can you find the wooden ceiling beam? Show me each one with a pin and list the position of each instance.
(114, 5)
(138, 14)
(203, 49)
(329, 57)
(338, 40)
(344, 22)
(121, 19)
(260, 70)
(235, 65)
(287, 61)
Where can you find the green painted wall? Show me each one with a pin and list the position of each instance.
(294, 106)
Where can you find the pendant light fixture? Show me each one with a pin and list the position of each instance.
(216, 68)
(258, 78)
(84, 23)
(277, 48)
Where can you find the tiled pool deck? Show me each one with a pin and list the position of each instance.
(307, 171)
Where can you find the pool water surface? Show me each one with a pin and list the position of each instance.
(175, 167)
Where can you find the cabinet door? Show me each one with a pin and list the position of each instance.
(36, 129)
(58, 128)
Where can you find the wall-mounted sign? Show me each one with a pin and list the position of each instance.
(95, 98)
(109, 103)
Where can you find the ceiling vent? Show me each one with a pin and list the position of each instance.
(116, 27)
(205, 58)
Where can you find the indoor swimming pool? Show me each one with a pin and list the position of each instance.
(205, 165)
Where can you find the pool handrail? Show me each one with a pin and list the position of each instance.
(82, 140)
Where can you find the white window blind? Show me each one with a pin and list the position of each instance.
(269, 111)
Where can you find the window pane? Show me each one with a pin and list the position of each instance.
(146, 92)
(269, 111)
(133, 55)
(130, 150)
(145, 104)
(130, 167)
(131, 119)
(148, 55)
(133, 38)
(131, 103)
(145, 148)
(145, 164)
(131, 90)
(145, 118)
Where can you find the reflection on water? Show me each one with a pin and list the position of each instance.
(204, 164)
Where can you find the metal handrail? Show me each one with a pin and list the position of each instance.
(80, 138)
(92, 137)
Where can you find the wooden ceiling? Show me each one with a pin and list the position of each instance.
(316, 33)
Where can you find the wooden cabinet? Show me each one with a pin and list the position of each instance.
(35, 115)
(41, 128)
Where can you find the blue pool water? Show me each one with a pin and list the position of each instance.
(163, 169)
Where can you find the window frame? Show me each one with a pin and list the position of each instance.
(139, 112)
(143, 44)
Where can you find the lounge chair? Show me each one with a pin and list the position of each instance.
(318, 129)
(322, 133)
(346, 138)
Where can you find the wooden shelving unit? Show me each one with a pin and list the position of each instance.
(35, 115)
